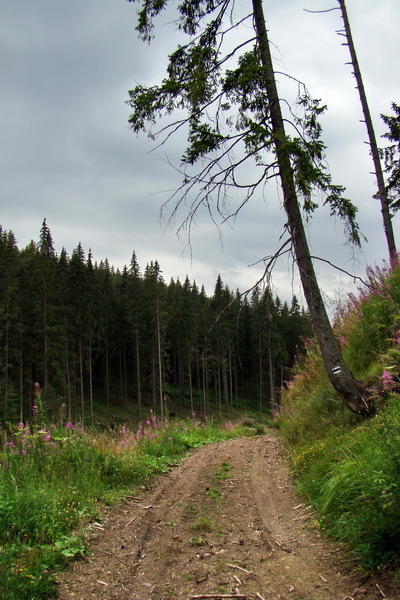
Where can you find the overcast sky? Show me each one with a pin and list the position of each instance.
(69, 156)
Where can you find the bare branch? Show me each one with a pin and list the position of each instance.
(354, 277)
(321, 11)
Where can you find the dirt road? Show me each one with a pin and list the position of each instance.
(225, 523)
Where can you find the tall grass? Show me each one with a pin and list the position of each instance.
(349, 467)
(54, 478)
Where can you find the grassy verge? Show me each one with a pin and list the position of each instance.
(54, 478)
(348, 466)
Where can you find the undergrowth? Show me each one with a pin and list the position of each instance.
(349, 466)
(54, 479)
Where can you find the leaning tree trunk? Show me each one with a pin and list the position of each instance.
(352, 392)
(382, 193)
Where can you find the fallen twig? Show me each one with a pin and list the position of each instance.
(282, 547)
(240, 569)
(380, 590)
(222, 596)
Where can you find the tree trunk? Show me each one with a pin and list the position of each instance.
(190, 386)
(272, 398)
(387, 222)
(81, 383)
(21, 388)
(138, 383)
(260, 375)
(107, 372)
(351, 391)
(159, 362)
(90, 383)
(6, 361)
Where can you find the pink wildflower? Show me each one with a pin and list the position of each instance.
(69, 425)
(387, 381)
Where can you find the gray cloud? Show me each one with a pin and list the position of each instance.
(68, 154)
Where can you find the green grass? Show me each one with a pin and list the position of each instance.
(348, 466)
(203, 523)
(54, 480)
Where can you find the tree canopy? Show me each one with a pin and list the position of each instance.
(240, 135)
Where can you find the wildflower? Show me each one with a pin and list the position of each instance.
(35, 409)
(68, 425)
(387, 381)
(21, 425)
(343, 340)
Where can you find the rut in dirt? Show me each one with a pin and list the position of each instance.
(225, 523)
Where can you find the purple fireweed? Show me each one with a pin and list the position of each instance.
(387, 381)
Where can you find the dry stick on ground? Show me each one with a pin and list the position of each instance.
(240, 569)
(222, 596)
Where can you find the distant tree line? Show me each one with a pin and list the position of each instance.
(86, 331)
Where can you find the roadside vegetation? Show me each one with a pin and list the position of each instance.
(55, 477)
(349, 466)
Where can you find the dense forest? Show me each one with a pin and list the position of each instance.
(87, 331)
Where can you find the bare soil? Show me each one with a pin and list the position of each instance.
(225, 523)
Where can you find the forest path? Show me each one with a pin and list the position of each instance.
(225, 523)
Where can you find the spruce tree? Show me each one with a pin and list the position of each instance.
(226, 97)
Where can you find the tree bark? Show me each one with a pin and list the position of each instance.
(382, 193)
(351, 391)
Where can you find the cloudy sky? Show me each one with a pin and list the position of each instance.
(69, 156)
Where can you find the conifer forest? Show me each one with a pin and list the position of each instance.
(89, 333)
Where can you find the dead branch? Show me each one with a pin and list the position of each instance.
(222, 596)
